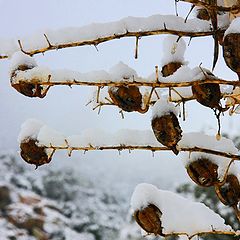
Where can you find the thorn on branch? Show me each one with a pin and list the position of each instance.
(49, 44)
(21, 48)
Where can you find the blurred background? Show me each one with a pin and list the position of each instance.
(92, 190)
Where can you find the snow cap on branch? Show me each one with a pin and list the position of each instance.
(173, 50)
(234, 27)
(179, 215)
(163, 107)
(122, 71)
(30, 129)
(19, 58)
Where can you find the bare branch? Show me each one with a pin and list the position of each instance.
(164, 29)
(147, 148)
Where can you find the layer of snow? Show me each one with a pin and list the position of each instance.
(102, 30)
(234, 27)
(122, 71)
(202, 140)
(163, 107)
(173, 49)
(19, 58)
(96, 137)
(30, 129)
(179, 215)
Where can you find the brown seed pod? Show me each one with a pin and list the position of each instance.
(203, 172)
(231, 51)
(202, 13)
(149, 219)
(207, 94)
(170, 68)
(167, 130)
(32, 153)
(127, 98)
(229, 192)
(25, 88)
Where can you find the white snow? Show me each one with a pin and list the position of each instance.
(179, 215)
(163, 107)
(47, 136)
(202, 140)
(234, 27)
(122, 71)
(173, 50)
(30, 129)
(102, 30)
(19, 58)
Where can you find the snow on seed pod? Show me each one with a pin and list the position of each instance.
(148, 219)
(30, 149)
(165, 124)
(128, 98)
(21, 62)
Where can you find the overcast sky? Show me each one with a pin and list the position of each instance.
(64, 108)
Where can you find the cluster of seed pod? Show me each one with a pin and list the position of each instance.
(204, 172)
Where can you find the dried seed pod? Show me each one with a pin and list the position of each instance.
(32, 153)
(170, 68)
(203, 172)
(202, 13)
(25, 88)
(231, 51)
(128, 98)
(149, 219)
(167, 130)
(229, 192)
(207, 94)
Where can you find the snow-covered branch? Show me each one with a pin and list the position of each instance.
(97, 33)
(210, 6)
(128, 139)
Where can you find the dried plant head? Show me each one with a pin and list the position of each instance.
(203, 14)
(203, 172)
(167, 130)
(26, 88)
(170, 68)
(32, 153)
(229, 192)
(231, 51)
(149, 219)
(207, 94)
(128, 98)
